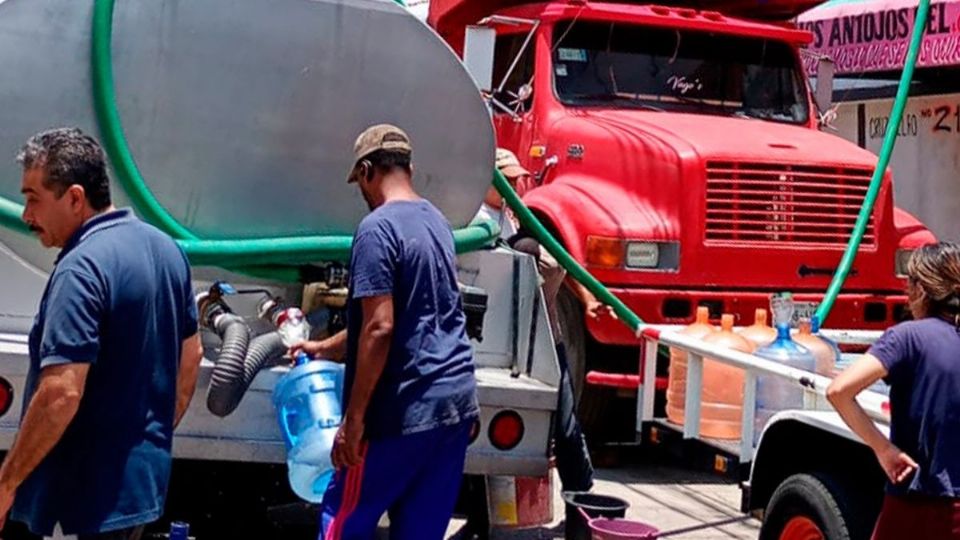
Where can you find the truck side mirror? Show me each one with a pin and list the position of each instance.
(823, 94)
(478, 49)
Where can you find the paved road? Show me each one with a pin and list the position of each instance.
(662, 496)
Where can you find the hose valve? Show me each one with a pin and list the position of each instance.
(211, 304)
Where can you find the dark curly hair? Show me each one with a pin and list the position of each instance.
(69, 157)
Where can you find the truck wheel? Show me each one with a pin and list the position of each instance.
(814, 507)
(591, 401)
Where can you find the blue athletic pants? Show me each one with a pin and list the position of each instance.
(414, 478)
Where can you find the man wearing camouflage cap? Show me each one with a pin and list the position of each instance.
(410, 392)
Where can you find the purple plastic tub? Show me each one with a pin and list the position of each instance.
(622, 529)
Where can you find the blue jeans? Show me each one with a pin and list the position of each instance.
(569, 445)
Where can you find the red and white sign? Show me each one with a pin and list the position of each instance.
(874, 35)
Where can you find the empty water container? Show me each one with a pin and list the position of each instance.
(677, 386)
(774, 393)
(837, 353)
(721, 401)
(760, 333)
(308, 401)
(825, 352)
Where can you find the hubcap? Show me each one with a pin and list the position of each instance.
(801, 528)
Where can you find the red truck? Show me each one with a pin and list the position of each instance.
(677, 155)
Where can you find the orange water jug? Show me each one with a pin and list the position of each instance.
(721, 404)
(760, 333)
(824, 353)
(677, 387)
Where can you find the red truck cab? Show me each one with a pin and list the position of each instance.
(678, 156)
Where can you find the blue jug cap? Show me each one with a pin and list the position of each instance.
(301, 358)
(179, 530)
(225, 288)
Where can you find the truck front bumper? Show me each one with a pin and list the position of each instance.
(860, 311)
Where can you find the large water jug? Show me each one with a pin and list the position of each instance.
(308, 401)
(722, 397)
(838, 354)
(825, 352)
(775, 394)
(760, 333)
(677, 385)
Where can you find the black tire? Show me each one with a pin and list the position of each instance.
(830, 504)
(591, 402)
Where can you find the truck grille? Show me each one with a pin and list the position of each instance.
(763, 203)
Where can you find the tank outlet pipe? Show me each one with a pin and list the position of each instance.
(235, 340)
(232, 378)
(216, 315)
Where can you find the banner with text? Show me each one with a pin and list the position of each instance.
(870, 36)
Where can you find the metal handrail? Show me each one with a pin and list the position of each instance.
(813, 385)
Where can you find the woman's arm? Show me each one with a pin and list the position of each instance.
(842, 394)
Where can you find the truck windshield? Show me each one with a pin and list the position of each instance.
(624, 65)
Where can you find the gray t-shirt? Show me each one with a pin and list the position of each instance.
(922, 359)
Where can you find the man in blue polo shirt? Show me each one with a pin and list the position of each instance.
(114, 354)
(410, 392)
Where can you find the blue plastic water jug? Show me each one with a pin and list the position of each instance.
(837, 353)
(774, 393)
(308, 401)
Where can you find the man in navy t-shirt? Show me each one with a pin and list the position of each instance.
(410, 392)
(114, 354)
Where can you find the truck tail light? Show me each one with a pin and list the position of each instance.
(6, 396)
(603, 252)
(506, 430)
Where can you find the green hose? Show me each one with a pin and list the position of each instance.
(111, 130)
(10, 213)
(896, 114)
(579, 273)
(308, 249)
(275, 258)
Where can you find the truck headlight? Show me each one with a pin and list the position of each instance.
(605, 252)
(642, 255)
(900, 263)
